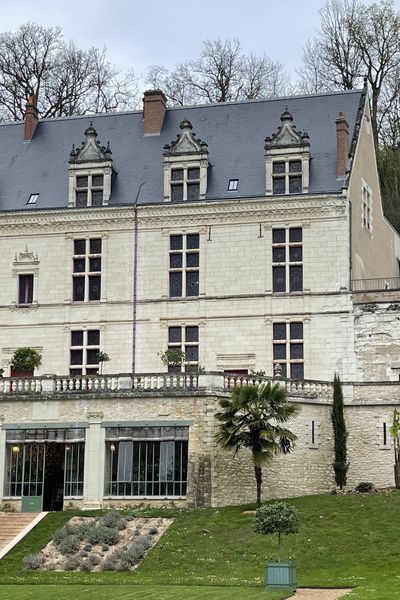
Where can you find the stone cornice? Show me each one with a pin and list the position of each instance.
(68, 220)
(302, 208)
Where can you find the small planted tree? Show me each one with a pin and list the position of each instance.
(101, 358)
(25, 360)
(173, 358)
(395, 433)
(278, 518)
(340, 464)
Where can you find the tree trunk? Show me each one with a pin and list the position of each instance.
(396, 464)
(257, 472)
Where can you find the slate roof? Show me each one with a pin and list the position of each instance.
(234, 132)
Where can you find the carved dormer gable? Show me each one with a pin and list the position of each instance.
(185, 166)
(90, 172)
(26, 258)
(90, 150)
(186, 142)
(287, 159)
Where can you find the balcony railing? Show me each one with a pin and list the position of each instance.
(377, 284)
(50, 384)
(304, 388)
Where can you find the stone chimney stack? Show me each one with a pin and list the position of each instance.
(31, 117)
(154, 106)
(342, 145)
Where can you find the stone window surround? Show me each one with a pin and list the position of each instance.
(288, 361)
(313, 434)
(25, 263)
(287, 155)
(181, 345)
(70, 238)
(88, 170)
(172, 163)
(288, 264)
(87, 273)
(84, 365)
(366, 207)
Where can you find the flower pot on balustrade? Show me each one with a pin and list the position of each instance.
(281, 574)
(21, 373)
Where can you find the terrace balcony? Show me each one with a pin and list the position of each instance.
(55, 386)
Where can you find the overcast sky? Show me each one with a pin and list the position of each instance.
(138, 34)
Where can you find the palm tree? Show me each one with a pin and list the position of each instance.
(253, 417)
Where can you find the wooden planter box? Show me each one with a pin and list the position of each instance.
(281, 575)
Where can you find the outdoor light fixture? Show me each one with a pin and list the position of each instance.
(16, 449)
(112, 447)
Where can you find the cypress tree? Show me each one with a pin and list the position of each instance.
(340, 464)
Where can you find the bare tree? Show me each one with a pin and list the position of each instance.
(222, 73)
(355, 41)
(66, 80)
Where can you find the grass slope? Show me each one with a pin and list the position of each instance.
(344, 541)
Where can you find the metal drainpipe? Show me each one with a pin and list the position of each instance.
(135, 262)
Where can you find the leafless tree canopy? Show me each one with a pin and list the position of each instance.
(66, 80)
(222, 73)
(357, 40)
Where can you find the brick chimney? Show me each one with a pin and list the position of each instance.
(31, 117)
(154, 105)
(342, 145)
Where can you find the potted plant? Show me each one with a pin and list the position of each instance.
(24, 361)
(282, 519)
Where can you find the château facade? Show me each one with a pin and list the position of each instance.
(247, 239)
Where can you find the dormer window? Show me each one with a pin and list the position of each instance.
(90, 173)
(185, 184)
(185, 167)
(287, 160)
(287, 177)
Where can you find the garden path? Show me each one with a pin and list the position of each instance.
(315, 594)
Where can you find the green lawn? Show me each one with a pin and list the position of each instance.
(344, 541)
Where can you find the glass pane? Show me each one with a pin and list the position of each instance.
(296, 331)
(192, 241)
(192, 259)
(81, 199)
(125, 460)
(192, 353)
(279, 254)
(295, 234)
(92, 357)
(94, 287)
(297, 371)
(278, 236)
(176, 242)
(295, 166)
(76, 338)
(167, 455)
(296, 278)
(25, 292)
(95, 246)
(174, 334)
(175, 284)
(279, 330)
(177, 175)
(279, 351)
(279, 279)
(78, 284)
(278, 167)
(295, 253)
(192, 334)
(75, 372)
(233, 185)
(278, 185)
(97, 197)
(193, 191)
(76, 357)
(82, 182)
(193, 173)
(79, 247)
(296, 351)
(95, 264)
(97, 180)
(192, 283)
(295, 184)
(175, 261)
(93, 337)
(177, 192)
(79, 265)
